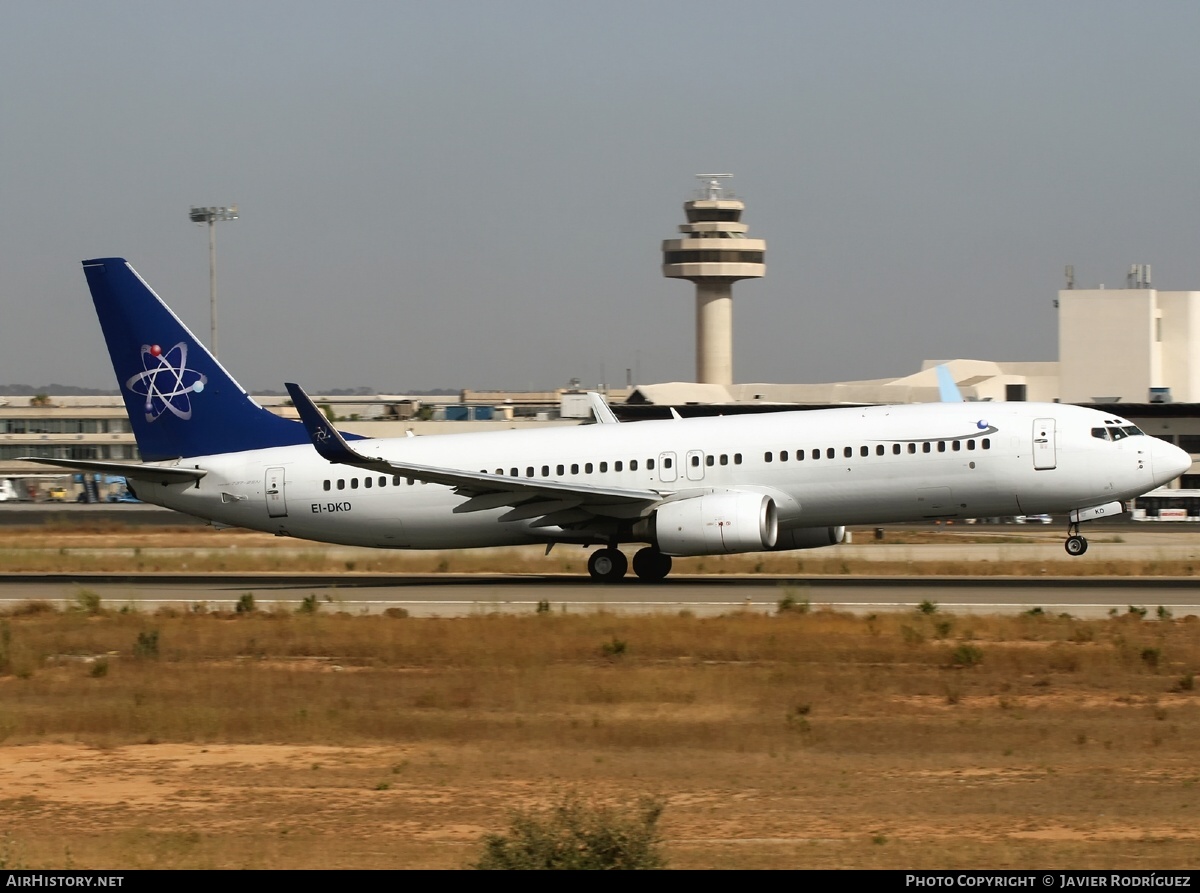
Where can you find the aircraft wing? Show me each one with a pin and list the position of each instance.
(553, 502)
(155, 474)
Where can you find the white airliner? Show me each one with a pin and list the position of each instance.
(745, 483)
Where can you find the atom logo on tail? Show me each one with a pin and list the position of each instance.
(166, 382)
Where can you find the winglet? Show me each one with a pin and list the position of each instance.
(947, 390)
(326, 439)
(601, 410)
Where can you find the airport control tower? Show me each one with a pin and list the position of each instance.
(714, 253)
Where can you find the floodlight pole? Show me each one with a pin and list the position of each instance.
(211, 216)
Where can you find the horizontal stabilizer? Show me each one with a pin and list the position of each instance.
(155, 474)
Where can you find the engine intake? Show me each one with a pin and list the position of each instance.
(717, 523)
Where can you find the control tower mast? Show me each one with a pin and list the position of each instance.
(714, 253)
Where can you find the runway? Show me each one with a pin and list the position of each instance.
(454, 595)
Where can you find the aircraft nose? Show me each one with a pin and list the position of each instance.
(1169, 461)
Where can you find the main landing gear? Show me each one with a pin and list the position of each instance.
(1075, 544)
(609, 565)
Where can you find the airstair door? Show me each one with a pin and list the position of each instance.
(1044, 446)
(695, 465)
(274, 487)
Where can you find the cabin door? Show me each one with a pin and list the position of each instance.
(1044, 446)
(695, 465)
(274, 487)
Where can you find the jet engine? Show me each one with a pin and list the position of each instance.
(716, 523)
(808, 538)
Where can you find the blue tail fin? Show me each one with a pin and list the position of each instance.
(181, 401)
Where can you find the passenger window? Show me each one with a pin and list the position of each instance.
(545, 471)
(987, 444)
(574, 468)
(737, 458)
(926, 447)
(587, 468)
(528, 471)
(710, 460)
(603, 467)
(353, 483)
(650, 465)
(767, 457)
(912, 448)
(724, 458)
(617, 466)
(341, 484)
(941, 446)
(367, 483)
(513, 472)
(633, 464)
(829, 453)
(382, 481)
(667, 462)
(970, 444)
(848, 452)
(799, 455)
(895, 449)
(816, 454)
(864, 451)
(412, 481)
(956, 445)
(327, 485)
(879, 449)
(559, 470)
(396, 478)
(783, 456)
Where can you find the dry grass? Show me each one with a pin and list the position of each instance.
(905, 741)
(112, 548)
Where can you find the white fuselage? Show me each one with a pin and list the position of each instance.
(822, 468)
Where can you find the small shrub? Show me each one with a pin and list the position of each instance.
(1187, 682)
(577, 835)
(942, 628)
(789, 604)
(87, 601)
(543, 607)
(245, 604)
(1151, 657)
(146, 646)
(1136, 611)
(927, 607)
(614, 648)
(1035, 612)
(99, 669)
(396, 613)
(308, 605)
(1164, 613)
(966, 655)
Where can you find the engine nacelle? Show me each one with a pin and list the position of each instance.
(717, 523)
(808, 538)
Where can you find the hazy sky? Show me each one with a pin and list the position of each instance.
(473, 194)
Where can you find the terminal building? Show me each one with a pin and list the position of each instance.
(1135, 349)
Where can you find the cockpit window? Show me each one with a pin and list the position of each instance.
(1117, 433)
(1133, 430)
(1101, 433)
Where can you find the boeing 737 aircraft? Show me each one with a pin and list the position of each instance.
(705, 486)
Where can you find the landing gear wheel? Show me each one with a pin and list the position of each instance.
(607, 565)
(651, 565)
(1076, 545)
